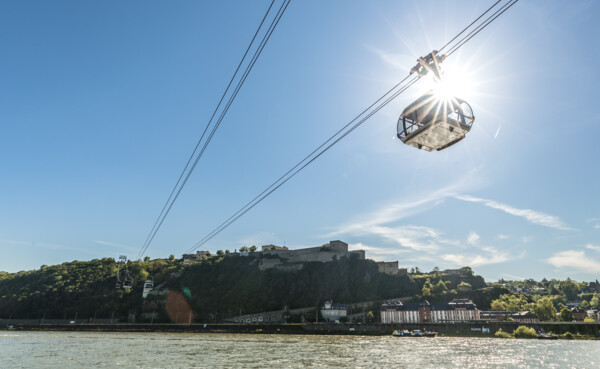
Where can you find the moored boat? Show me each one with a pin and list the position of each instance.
(415, 333)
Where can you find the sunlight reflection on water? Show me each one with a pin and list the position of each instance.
(163, 350)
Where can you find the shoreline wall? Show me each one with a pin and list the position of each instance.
(463, 328)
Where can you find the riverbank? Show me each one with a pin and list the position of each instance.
(464, 329)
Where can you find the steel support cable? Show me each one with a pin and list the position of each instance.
(171, 200)
(308, 156)
(483, 25)
(469, 26)
(253, 203)
(356, 125)
(228, 105)
(226, 109)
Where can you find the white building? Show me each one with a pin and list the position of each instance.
(332, 312)
(425, 312)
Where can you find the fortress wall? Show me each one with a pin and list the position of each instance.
(388, 267)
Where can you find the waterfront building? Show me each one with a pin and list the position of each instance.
(525, 317)
(594, 314)
(496, 315)
(332, 312)
(579, 314)
(395, 311)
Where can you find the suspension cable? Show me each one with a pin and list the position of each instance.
(179, 185)
(359, 121)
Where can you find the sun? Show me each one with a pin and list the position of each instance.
(455, 82)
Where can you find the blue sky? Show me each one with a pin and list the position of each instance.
(101, 104)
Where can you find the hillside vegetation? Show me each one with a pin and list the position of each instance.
(216, 288)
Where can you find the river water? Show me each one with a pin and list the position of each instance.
(166, 350)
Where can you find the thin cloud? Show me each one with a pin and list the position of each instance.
(572, 259)
(514, 277)
(117, 245)
(257, 239)
(408, 207)
(379, 253)
(489, 255)
(51, 246)
(596, 222)
(531, 216)
(418, 238)
(503, 236)
(473, 238)
(526, 239)
(592, 247)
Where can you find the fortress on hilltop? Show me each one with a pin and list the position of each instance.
(277, 256)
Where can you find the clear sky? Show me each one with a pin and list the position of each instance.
(101, 104)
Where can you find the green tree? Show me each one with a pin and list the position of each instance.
(584, 305)
(171, 257)
(524, 332)
(545, 310)
(370, 317)
(464, 286)
(595, 302)
(566, 315)
(501, 334)
(252, 248)
(244, 249)
(426, 292)
(497, 305)
(220, 252)
(439, 287)
(570, 289)
(516, 302)
(146, 258)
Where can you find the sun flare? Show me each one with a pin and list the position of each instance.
(455, 82)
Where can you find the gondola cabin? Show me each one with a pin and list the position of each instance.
(434, 123)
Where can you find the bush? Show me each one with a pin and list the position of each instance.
(524, 332)
(567, 335)
(501, 334)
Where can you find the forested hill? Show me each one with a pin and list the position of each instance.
(83, 288)
(216, 288)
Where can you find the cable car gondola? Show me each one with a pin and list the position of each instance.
(127, 282)
(435, 123)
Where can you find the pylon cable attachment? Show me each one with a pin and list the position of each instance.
(429, 63)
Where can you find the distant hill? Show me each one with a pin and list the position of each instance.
(216, 288)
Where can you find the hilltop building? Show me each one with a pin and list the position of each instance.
(592, 287)
(276, 256)
(391, 268)
(199, 255)
(273, 247)
(424, 312)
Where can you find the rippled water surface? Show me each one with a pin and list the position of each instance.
(164, 350)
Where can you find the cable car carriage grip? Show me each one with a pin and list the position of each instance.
(434, 122)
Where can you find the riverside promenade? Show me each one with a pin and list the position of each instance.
(469, 328)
